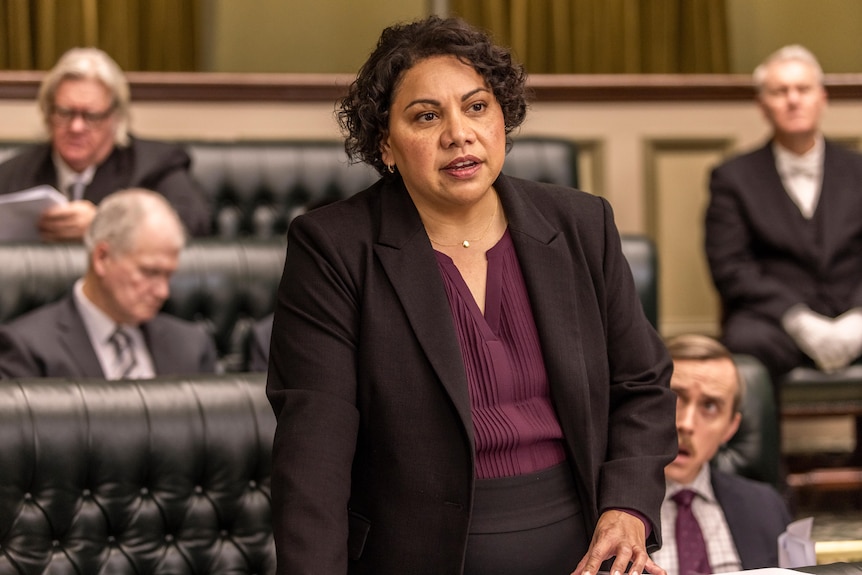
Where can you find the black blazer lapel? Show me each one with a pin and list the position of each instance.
(839, 204)
(75, 340)
(774, 205)
(408, 261)
(548, 266)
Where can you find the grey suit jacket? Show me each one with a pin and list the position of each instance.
(159, 166)
(52, 341)
(756, 515)
(761, 260)
(373, 455)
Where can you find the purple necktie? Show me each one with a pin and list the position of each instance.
(690, 546)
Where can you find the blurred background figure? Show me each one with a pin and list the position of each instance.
(783, 236)
(90, 153)
(110, 325)
(258, 353)
(713, 521)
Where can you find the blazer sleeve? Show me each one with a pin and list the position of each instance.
(15, 360)
(756, 515)
(180, 347)
(737, 275)
(165, 168)
(311, 385)
(258, 350)
(641, 436)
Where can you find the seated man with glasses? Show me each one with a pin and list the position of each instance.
(84, 102)
(109, 325)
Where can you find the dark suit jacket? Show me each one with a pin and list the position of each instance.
(51, 341)
(157, 166)
(373, 464)
(756, 515)
(761, 259)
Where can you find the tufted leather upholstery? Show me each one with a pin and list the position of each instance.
(755, 450)
(256, 188)
(641, 256)
(136, 477)
(226, 285)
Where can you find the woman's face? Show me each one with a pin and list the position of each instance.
(446, 134)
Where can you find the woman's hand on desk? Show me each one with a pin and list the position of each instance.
(621, 535)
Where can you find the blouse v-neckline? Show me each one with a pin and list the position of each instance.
(490, 320)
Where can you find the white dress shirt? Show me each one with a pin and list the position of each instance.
(68, 179)
(100, 327)
(802, 176)
(720, 548)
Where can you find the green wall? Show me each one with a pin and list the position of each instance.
(308, 36)
(330, 36)
(829, 28)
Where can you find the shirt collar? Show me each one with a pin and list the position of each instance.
(66, 176)
(811, 161)
(99, 325)
(702, 485)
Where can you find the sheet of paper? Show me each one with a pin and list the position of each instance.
(764, 571)
(20, 211)
(795, 547)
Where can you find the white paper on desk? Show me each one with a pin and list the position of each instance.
(795, 547)
(20, 212)
(764, 571)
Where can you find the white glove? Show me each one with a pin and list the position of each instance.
(848, 331)
(817, 337)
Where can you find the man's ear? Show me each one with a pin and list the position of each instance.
(101, 253)
(764, 111)
(733, 427)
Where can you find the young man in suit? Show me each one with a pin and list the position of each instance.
(740, 519)
(110, 325)
(84, 101)
(783, 236)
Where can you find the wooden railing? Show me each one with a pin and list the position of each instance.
(165, 86)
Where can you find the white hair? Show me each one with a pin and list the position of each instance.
(121, 215)
(89, 64)
(793, 52)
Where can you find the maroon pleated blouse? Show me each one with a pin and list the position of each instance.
(515, 427)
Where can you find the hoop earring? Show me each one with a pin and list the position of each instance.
(391, 168)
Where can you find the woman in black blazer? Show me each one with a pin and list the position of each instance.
(463, 376)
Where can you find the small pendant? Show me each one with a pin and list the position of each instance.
(466, 244)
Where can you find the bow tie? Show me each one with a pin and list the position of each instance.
(799, 169)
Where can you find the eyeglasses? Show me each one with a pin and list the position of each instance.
(64, 116)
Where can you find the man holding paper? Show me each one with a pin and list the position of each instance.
(90, 154)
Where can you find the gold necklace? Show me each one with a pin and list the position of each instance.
(467, 243)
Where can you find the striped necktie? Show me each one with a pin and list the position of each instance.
(75, 191)
(124, 353)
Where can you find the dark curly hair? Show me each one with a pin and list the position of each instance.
(363, 113)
